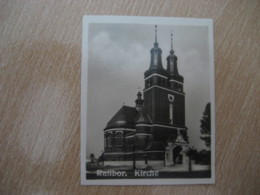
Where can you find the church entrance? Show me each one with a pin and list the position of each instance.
(177, 156)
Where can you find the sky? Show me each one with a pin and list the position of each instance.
(118, 56)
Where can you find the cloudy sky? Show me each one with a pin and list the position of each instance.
(118, 56)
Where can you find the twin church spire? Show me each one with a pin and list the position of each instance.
(156, 66)
(172, 64)
(156, 53)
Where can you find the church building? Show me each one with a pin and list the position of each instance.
(154, 131)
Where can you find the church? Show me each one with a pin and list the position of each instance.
(154, 131)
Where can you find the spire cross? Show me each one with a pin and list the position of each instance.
(155, 33)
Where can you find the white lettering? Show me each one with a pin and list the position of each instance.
(111, 173)
(151, 173)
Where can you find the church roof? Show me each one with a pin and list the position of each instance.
(143, 117)
(125, 118)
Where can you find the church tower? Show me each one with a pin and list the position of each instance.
(156, 83)
(163, 93)
(164, 102)
(176, 85)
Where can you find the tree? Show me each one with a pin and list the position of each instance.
(205, 126)
(191, 153)
(92, 158)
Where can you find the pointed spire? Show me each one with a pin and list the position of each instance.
(139, 95)
(172, 64)
(139, 101)
(171, 52)
(155, 33)
(156, 65)
(171, 41)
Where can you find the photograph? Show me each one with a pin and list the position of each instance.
(147, 101)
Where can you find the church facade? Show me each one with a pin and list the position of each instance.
(154, 130)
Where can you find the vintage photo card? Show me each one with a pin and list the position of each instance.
(147, 101)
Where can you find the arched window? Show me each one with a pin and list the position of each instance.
(171, 113)
(119, 139)
(163, 83)
(159, 82)
(109, 140)
(148, 83)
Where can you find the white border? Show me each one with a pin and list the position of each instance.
(84, 84)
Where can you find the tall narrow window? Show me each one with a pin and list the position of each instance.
(155, 59)
(148, 82)
(109, 140)
(171, 113)
(159, 81)
(119, 139)
(171, 66)
(163, 82)
(171, 99)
